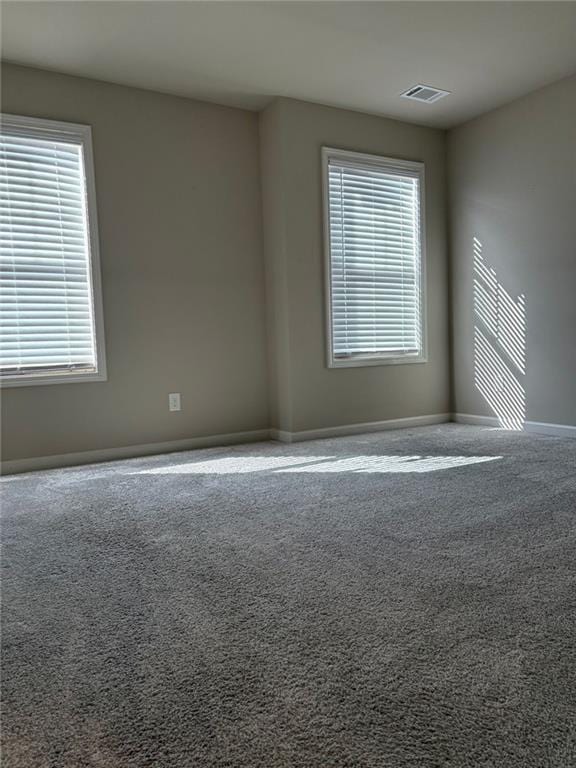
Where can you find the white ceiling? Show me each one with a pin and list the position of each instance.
(358, 55)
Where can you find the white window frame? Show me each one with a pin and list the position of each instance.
(72, 133)
(389, 164)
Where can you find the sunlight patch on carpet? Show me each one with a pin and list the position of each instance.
(308, 464)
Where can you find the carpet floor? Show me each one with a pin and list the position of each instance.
(396, 600)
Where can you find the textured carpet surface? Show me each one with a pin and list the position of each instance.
(383, 601)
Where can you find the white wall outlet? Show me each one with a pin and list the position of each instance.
(174, 401)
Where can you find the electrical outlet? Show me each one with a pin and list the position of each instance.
(174, 401)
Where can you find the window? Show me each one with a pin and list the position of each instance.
(374, 258)
(51, 326)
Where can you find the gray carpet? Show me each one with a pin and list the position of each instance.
(306, 606)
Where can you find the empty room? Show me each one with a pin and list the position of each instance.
(288, 384)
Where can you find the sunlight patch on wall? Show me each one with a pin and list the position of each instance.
(499, 344)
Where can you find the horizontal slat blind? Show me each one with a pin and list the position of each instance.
(374, 230)
(47, 316)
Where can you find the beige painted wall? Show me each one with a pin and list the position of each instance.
(306, 394)
(513, 187)
(273, 168)
(178, 195)
(179, 204)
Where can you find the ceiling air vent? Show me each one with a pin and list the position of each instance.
(425, 93)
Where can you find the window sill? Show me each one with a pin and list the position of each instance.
(52, 378)
(364, 362)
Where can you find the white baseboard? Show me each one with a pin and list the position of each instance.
(473, 420)
(358, 429)
(130, 451)
(557, 430)
(280, 435)
(535, 427)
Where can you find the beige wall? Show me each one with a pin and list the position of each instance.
(308, 395)
(178, 195)
(513, 187)
(273, 169)
(179, 204)
(180, 217)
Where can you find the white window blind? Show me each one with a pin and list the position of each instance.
(48, 323)
(374, 258)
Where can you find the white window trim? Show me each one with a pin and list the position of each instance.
(388, 163)
(35, 127)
